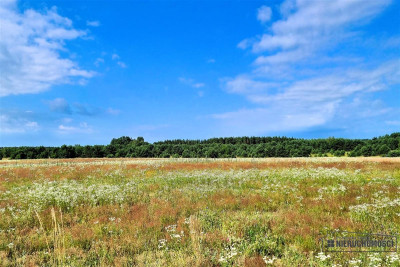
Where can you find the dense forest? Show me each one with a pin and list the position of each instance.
(227, 147)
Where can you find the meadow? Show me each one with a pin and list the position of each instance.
(194, 212)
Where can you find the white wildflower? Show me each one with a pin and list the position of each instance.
(171, 228)
(354, 262)
(322, 257)
(162, 243)
(269, 260)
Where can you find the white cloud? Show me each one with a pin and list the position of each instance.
(336, 86)
(295, 84)
(198, 85)
(244, 44)
(303, 103)
(264, 14)
(83, 127)
(191, 82)
(94, 23)
(121, 64)
(32, 124)
(283, 57)
(10, 124)
(98, 61)
(287, 7)
(211, 60)
(30, 45)
(317, 23)
(247, 85)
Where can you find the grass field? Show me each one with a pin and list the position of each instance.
(181, 212)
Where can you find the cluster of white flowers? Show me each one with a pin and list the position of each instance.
(269, 260)
(113, 219)
(354, 262)
(322, 257)
(171, 228)
(69, 193)
(393, 258)
(175, 236)
(162, 243)
(374, 259)
(382, 207)
(284, 181)
(229, 253)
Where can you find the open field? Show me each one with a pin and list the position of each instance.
(199, 212)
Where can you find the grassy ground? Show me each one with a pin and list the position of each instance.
(178, 212)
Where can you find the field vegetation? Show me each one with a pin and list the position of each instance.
(194, 212)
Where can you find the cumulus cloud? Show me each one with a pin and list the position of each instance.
(295, 84)
(30, 46)
(264, 14)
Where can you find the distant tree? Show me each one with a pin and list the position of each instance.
(383, 149)
(339, 153)
(394, 153)
(366, 150)
(122, 141)
(125, 146)
(212, 152)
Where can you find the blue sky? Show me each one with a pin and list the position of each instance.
(75, 72)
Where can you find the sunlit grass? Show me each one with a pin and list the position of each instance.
(201, 212)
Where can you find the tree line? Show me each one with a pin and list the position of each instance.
(226, 147)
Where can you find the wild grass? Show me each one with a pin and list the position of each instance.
(199, 212)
